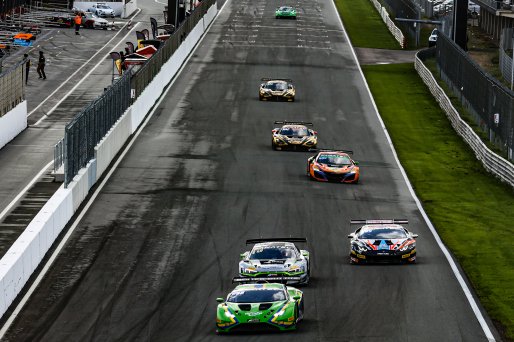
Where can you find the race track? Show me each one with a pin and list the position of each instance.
(163, 238)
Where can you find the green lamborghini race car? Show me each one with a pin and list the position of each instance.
(260, 307)
(285, 12)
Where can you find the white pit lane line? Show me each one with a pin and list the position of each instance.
(476, 310)
(84, 210)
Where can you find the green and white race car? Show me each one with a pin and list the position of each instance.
(260, 307)
(285, 12)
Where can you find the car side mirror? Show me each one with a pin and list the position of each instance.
(351, 236)
(243, 255)
(297, 297)
(355, 162)
(415, 236)
(263, 84)
(220, 300)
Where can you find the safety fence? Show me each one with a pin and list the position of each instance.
(505, 58)
(489, 102)
(12, 87)
(492, 162)
(88, 128)
(396, 32)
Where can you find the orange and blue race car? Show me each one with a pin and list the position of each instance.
(277, 89)
(293, 136)
(333, 166)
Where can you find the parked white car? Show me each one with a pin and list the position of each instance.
(432, 40)
(102, 10)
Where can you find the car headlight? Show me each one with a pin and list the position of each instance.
(296, 268)
(316, 168)
(407, 247)
(360, 247)
(248, 270)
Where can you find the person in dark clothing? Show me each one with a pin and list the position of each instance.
(41, 65)
(122, 57)
(27, 67)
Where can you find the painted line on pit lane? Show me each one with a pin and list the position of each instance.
(81, 80)
(25, 189)
(85, 209)
(467, 292)
(80, 68)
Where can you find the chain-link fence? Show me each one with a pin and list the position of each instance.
(12, 87)
(92, 124)
(505, 55)
(489, 101)
(86, 130)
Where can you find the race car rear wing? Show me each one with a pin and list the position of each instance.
(390, 221)
(254, 241)
(250, 280)
(293, 123)
(276, 79)
(329, 150)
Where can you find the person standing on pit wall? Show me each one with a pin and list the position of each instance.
(27, 67)
(78, 22)
(41, 65)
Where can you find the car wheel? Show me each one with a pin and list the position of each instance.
(292, 99)
(300, 310)
(273, 146)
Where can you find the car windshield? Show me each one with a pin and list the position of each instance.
(276, 86)
(256, 296)
(295, 131)
(382, 233)
(103, 7)
(272, 252)
(285, 9)
(334, 159)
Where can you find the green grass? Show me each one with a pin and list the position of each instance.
(364, 25)
(472, 211)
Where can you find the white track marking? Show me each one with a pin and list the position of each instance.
(81, 80)
(84, 210)
(25, 189)
(82, 66)
(487, 331)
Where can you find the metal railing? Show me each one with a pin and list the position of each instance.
(490, 103)
(505, 59)
(12, 87)
(88, 128)
(492, 162)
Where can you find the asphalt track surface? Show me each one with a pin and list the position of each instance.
(163, 238)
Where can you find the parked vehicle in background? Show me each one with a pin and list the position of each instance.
(432, 40)
(91, 20)
(101, 10)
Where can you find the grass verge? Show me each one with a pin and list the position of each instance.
(472, 211)
(364, 25)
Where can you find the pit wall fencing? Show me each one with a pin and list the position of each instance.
(13, 123)
(492, 162)
(25, 255)
(395, 31)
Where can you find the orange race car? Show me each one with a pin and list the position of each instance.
(333, 166)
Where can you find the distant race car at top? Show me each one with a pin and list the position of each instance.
(379, 241)
(260, 307)
(276, 89)
(293, 135)
(333, 166)
(102, 10)
(276, 257)
(285, 12)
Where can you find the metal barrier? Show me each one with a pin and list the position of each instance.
(490, 103)
(403, 9)
(12, 87)
(88, 128)
(492, 162)
(396, 32)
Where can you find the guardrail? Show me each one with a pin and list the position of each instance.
(12, 87)
(397, 33)
(492, 162)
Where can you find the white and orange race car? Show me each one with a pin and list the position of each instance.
(333, 166)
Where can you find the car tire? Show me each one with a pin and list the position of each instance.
(273, 146)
